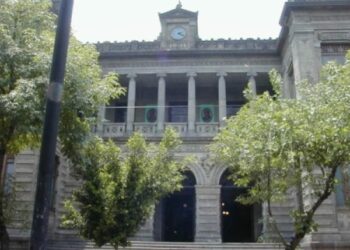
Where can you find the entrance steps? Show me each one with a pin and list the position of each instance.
(151, 245)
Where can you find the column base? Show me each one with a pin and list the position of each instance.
(325, 239)
(326, 246)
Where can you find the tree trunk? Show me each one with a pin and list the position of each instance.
(4, 236)
(329, 186)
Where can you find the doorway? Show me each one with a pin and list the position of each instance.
(239, 223)
(175, 214)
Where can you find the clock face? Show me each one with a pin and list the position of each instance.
(178, 33)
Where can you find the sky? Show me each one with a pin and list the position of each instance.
(127, 20)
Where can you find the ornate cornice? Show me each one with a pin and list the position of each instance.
(243, 61)
(309, 5)
(107, 47)
(242, 44)
(205, 47)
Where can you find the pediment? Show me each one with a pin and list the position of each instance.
(178, 13)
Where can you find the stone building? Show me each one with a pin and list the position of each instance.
(192, 85)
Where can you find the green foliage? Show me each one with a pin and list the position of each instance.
(275, 145)
(13, 210)
(119, 189)
(27, 32)
(26, 29)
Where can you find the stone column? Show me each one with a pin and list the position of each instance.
(145, 232)
(222, 98)
(306, 54)
(130, 117)
(208, 213)
(191, 114)
(101, 116)
(161, 102)
(252, 82)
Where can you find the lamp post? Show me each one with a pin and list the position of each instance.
(49, 138)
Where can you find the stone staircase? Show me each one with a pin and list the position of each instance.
(151, 245)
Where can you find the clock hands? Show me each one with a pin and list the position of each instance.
(180, 33)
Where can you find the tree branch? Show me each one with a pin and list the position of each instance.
(271, 217)
(310, 213)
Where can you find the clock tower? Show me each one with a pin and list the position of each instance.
(179, 29)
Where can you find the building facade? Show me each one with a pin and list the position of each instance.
(193, 85)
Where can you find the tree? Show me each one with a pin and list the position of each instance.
(275, 145)
(27, 31)
(119, 189)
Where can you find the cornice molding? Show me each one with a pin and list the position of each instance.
(206, 47)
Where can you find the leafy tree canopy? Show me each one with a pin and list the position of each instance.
(119, 190)
(275, 145)
(27, 31)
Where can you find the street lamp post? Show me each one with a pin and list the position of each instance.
(49, 138)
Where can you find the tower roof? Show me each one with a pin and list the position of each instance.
(178, 12)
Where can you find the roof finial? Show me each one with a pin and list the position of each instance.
(179, 5)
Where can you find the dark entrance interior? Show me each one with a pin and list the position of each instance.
(239, 223)
(175, 214)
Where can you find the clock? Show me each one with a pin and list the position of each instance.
(178, 33)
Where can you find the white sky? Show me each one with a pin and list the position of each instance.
(126, 20)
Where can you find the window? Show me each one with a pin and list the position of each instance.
(116, 112)
(342, 189)
(9, 174)
(120, 114)
(232, 108)
(334, 52)
(177, 112)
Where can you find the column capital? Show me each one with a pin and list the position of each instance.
(219, 74)
(252, 74)
(191, 74)
(131, 75)
(161, 74)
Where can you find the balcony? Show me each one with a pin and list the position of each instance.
(145, 120)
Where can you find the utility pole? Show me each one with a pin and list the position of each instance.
(49, 138)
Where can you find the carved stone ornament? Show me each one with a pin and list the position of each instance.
(334, 36)
(207, 164)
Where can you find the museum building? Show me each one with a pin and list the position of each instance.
(192, 85)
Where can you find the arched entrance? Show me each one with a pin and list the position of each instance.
(174, 218)
(239, 223)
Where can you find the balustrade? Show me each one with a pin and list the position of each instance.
(207, 129)
(148, 129)
(114, 129)
(115, 122)
(180, 128)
